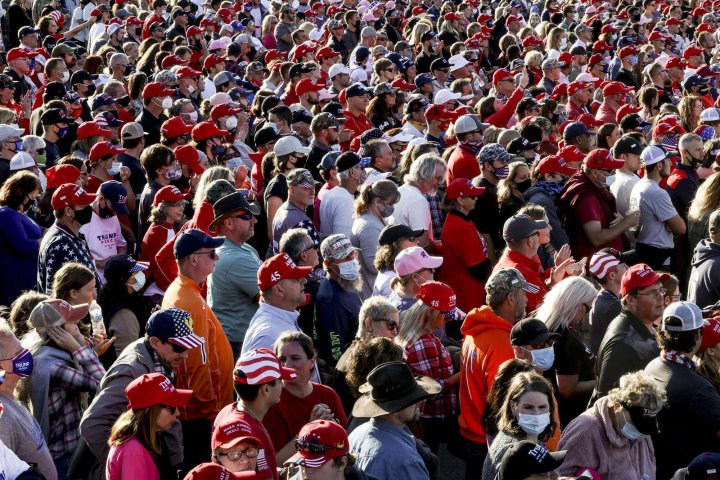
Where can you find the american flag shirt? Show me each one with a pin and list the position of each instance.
(58, 247)
(427, 356)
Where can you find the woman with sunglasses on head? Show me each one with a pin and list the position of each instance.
(428, 357)
(301, 400)
(563, 308)
(135, 446)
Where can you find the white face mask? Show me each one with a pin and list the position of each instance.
(534, 424)
(543, 358)
(115, 169)
(193, 117)
(563, 44)
(349, 270)
(191, 89)
(609, 180)
(231, 123)
(139, 281)
(167, 102)
(66, 76)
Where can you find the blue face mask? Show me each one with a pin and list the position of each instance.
(18, 146)
(633, 60)
(22, 363)
(62, 132)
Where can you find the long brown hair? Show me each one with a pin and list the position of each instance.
(521, 384)
(140, 424)
(71, 276)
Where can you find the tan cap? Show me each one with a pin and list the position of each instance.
(53, 313)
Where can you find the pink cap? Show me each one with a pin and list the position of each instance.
(413, 260)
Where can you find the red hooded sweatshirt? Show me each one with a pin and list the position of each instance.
(485, 348)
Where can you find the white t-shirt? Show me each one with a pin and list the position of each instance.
(655, 209)
(336, 212)
(10, 465)
(413, 210)
(103, 237)
(621, 189)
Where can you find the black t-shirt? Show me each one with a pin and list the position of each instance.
(486, 214)
(572, 357)
(605, 308)
(423, 61)
(277, 187)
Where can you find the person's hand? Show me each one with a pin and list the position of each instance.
(631, 220)
(26, 101)
(560, 270)
(441, 44)
(102, 346)
(562, 254)
(321, 412)
(577, 268)
(344, 135)
(124, 174)
(524, 78)
(454, 379)
(64, 339)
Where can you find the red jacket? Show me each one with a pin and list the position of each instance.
(358, 124)
(485, 348)
(500, 119)
(463, 163)
(532, 271)
(155, 238)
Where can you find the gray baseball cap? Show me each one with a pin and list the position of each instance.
(520, 227)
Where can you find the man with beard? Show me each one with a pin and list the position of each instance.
(391, 405)
(325, 128)
(307, 92)
(338, 304)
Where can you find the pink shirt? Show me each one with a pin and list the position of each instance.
(131, 461)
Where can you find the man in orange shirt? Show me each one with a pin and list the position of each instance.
(485, 348)
(208, 371)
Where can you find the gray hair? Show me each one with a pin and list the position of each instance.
(687, 139)
(32, 142)
(292, 242)
(639, 389)
(5, 332)
(118, 58)
(208, 177)
(114, 88)
(424, 168)
(561, 304)
(373, 308)
(373, 148)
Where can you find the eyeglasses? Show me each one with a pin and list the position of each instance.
(170, 409)
(40, 151)
(392, 325)
(176, 348)
(211, 254)
(311, 247)
(235, 455)
(314, 447)
(654, 293)
(244, 216)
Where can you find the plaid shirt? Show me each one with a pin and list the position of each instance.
(64, 399)
(427, 356)
(437, 215)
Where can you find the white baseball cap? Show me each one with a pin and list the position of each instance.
(8, 131)
(710, 115)
(689, 315)
(443, 96)
(221, 98)
(458, 61)
(289, 144)
(337, 69)
(21, 161)
(652, 154)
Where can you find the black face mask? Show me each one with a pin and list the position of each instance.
(129, 69)
(84, 216)
(124, 101)
(105, 212)
(138, 31)
(668, 83)
(524, 185)
(29, 204)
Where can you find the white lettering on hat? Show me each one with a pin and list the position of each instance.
(434, 303)
(122, 200)
(645, 272)
(167, 386)
(538, 453)
(275, 276)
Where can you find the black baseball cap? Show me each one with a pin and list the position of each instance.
(527, 458)
(265, 135)
(121, 267)
(439, 63)
(336, 109)
(328, 161)
(356, 90)
(392, 233)
(530, 331)
(80, 76)
(300, 68)
(627, 144)
(633, 121)
(521, 144)
(53, 116)
(349, 160)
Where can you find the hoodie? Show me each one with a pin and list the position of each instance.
(703, 287)
(540, 196)
(485, 348)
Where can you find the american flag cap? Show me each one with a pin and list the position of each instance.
(175, 326)
(260, 366)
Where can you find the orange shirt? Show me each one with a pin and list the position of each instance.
(208, 369)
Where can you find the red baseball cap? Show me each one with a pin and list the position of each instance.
(589, 121)
(186, 72)
(560, 90)
(613, 88)
(512, 18)
(323, 433)
(91, 129)
(277, 268)
(451, 16)
(601, 46)
(223, 110)
(206, 22)
(153, 389)
(96, 12)
(555, 164)
(627, 51)
(187, 155)
(656, 35)
(156, 89)
(698, 12)
(175, 127)
(571, 154)
(608, 29)
(70, 195)
(232, 431)
(691, 51)
(601, 159)
(212, 60)
(132, 20)
(205, 130)
(565, 58)
(639, 276)
(306, 85)
(170, 194)
(303, 49)
(462, 187)
(193, 30)
(531, 41)
(501, 74)
(273, 54)
(261, 366)
(103, 149)
(572, 88)
(711, 334)
(21, 52)
(215, 471)
(172, 60)
(59, 174)
(626, 109)
(326, 52)
(484, 18)
(673, 21)
(676, 62)
(402, 84)
(438, 295)
(704, 27)
(439, 112)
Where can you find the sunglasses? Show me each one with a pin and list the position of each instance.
(40, 151)
(392, 325)
(211, 254)
(177, 348)
(314, 447)
(244, 216)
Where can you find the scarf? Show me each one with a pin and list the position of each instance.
(551, 188)
(678, 357)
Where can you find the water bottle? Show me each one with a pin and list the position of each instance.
(96, 319)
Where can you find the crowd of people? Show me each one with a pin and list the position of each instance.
(341, 239)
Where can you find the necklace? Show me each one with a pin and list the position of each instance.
(245, 409)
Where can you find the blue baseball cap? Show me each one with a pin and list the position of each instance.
(115, 193)
(102, 100)
(192, 240)
(328, 161)
(575, 129)
(423, 79)
(173, 325)
(356, 90)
